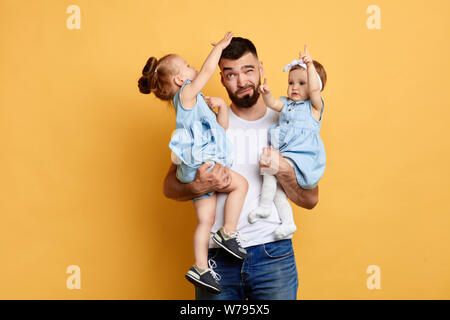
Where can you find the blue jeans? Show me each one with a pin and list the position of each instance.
(268, 273)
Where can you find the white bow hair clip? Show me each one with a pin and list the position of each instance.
(303, 65)
(295, 63)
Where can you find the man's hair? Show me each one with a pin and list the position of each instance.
(237, 48)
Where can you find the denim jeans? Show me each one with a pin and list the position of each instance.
(268, 273)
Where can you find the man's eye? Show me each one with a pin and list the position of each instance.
(230, 75)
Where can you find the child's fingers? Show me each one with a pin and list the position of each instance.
(261, 89)
(306, 49)
(227, 38)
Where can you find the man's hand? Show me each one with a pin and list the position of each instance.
(272, 162)
(215, 179)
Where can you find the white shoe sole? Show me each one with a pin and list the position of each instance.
(201, 284)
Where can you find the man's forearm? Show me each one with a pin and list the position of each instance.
(304, 198)
(176, 190)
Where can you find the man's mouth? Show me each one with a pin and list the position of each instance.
(244, 91)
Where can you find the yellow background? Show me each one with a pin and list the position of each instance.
(84, 154)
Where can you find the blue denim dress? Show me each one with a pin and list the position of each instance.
(296, 136)
(198, 138)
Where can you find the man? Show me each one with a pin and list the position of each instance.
(269, 271)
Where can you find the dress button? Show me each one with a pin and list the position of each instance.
(287, 122)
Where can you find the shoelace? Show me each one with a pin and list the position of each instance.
(239, 237)
(212, 265)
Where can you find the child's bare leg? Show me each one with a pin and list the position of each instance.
(206, 211)
(237, 191)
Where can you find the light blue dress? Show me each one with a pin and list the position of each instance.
(198, 138)
(296, 136)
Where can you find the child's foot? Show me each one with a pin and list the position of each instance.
(259, 212)
(230, 242)
(206, 279)
(284, 230)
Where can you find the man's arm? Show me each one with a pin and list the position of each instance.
(273, 161)
(205, 181)
(302, 197)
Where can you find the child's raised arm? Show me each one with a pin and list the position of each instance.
(313, 81)
(269, 100)
(191, 90)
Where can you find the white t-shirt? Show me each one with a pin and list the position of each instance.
(248, 138)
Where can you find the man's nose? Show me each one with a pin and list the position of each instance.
(241, 80)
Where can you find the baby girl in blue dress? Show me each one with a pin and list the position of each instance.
(200, 137)
(296, 136)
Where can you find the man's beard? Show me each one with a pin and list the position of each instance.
(246, 101)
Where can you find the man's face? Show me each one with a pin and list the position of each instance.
(241, 79)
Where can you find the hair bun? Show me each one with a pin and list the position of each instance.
(147, 75)
(150, 66)
(144, 85)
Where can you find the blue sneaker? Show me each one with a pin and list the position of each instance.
(230, 242)
(206, 279)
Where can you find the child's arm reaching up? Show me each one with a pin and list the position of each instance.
(269, 100)
(190, 91)
(222, 114)
(313, 82)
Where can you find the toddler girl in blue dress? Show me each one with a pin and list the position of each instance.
(296, 136)
(200, 137)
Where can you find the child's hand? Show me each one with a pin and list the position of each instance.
(264, 88)
(225, 41)
(214, 102)
(306, 58)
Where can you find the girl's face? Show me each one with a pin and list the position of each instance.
(298, 89)
(185, 71)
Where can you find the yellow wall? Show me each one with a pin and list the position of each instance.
(83, 154)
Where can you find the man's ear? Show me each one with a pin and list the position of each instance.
(261, 70)
(221, 78)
